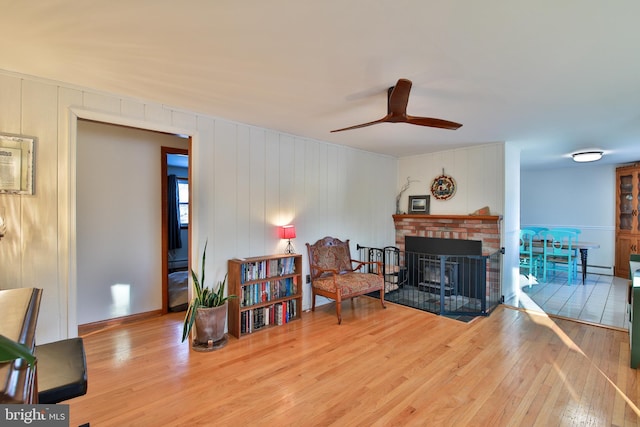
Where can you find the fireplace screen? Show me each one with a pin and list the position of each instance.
(453, 285)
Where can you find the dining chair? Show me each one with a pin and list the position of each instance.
(529, 260)
(536, 230)
(577, 231)
(559, 254)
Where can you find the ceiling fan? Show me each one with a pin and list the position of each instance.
(397, 99)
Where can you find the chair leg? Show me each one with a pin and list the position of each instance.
(339, 311)
(313, 300)
(382, 298)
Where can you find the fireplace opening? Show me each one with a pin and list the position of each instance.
(435, 262)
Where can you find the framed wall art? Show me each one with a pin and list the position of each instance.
(419, 205)
(443, 187)
(16, 164)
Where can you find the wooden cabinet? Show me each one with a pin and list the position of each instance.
(268, 289)
(627, 218)
(625, 246)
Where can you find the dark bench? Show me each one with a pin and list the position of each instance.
(61, 370)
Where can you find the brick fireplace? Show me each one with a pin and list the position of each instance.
(485, 228)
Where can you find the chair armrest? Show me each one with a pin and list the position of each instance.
(322, 271)
(361, 264)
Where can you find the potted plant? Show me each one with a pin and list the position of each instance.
(208, 311)
(11, 350)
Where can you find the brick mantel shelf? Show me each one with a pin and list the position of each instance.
(485, 228)
(453, 217)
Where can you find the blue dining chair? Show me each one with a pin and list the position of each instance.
(529, 260)
(537, 231)
(559, 254)
(577, 231)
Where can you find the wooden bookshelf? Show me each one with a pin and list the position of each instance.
(269, 292)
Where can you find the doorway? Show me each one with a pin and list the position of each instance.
(176, 232)
(118, 222)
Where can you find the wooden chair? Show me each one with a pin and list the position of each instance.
(537, 231)
(333, 274)
(559, 253)
(576, 231)
(529, 260)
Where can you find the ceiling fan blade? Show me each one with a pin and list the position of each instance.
(382, 120)
(399, 98)
(431, 122)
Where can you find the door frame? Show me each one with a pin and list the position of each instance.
(67, 220)
(165, 220)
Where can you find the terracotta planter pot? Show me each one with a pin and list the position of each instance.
(210, 323)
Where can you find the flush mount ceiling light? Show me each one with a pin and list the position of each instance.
(587, 156)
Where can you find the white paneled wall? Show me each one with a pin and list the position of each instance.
(245, 181)
(478, 172)
(511, 223)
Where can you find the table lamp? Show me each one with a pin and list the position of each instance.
(288, 232)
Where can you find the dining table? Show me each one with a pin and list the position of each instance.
(582, 247)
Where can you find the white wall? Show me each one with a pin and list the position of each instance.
(245, 180)
(119, 220)
(581, 196)
(511, 223)
(478, 172)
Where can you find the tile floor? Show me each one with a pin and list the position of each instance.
(602, 299)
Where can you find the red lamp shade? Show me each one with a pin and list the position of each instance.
(288, 231)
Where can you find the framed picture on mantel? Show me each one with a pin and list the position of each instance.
(419, 205)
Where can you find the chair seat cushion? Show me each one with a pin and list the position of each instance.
(61, 370)
(350, 283)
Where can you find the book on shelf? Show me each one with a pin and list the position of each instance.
(277, 314)
(256, 270)
(267, 291)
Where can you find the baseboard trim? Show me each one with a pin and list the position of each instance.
(89, 328)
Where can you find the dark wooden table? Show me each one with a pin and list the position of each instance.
(583, 247)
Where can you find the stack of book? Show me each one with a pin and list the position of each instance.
(266, 268)
(275, 314)
(267, 291)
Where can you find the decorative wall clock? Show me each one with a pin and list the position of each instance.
(443, 187)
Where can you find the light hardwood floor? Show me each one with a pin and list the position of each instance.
(398, 366)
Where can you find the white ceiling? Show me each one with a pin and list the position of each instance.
(553, 76)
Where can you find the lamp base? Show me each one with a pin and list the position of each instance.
(289, 249)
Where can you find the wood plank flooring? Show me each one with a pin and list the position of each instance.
(398, 366)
